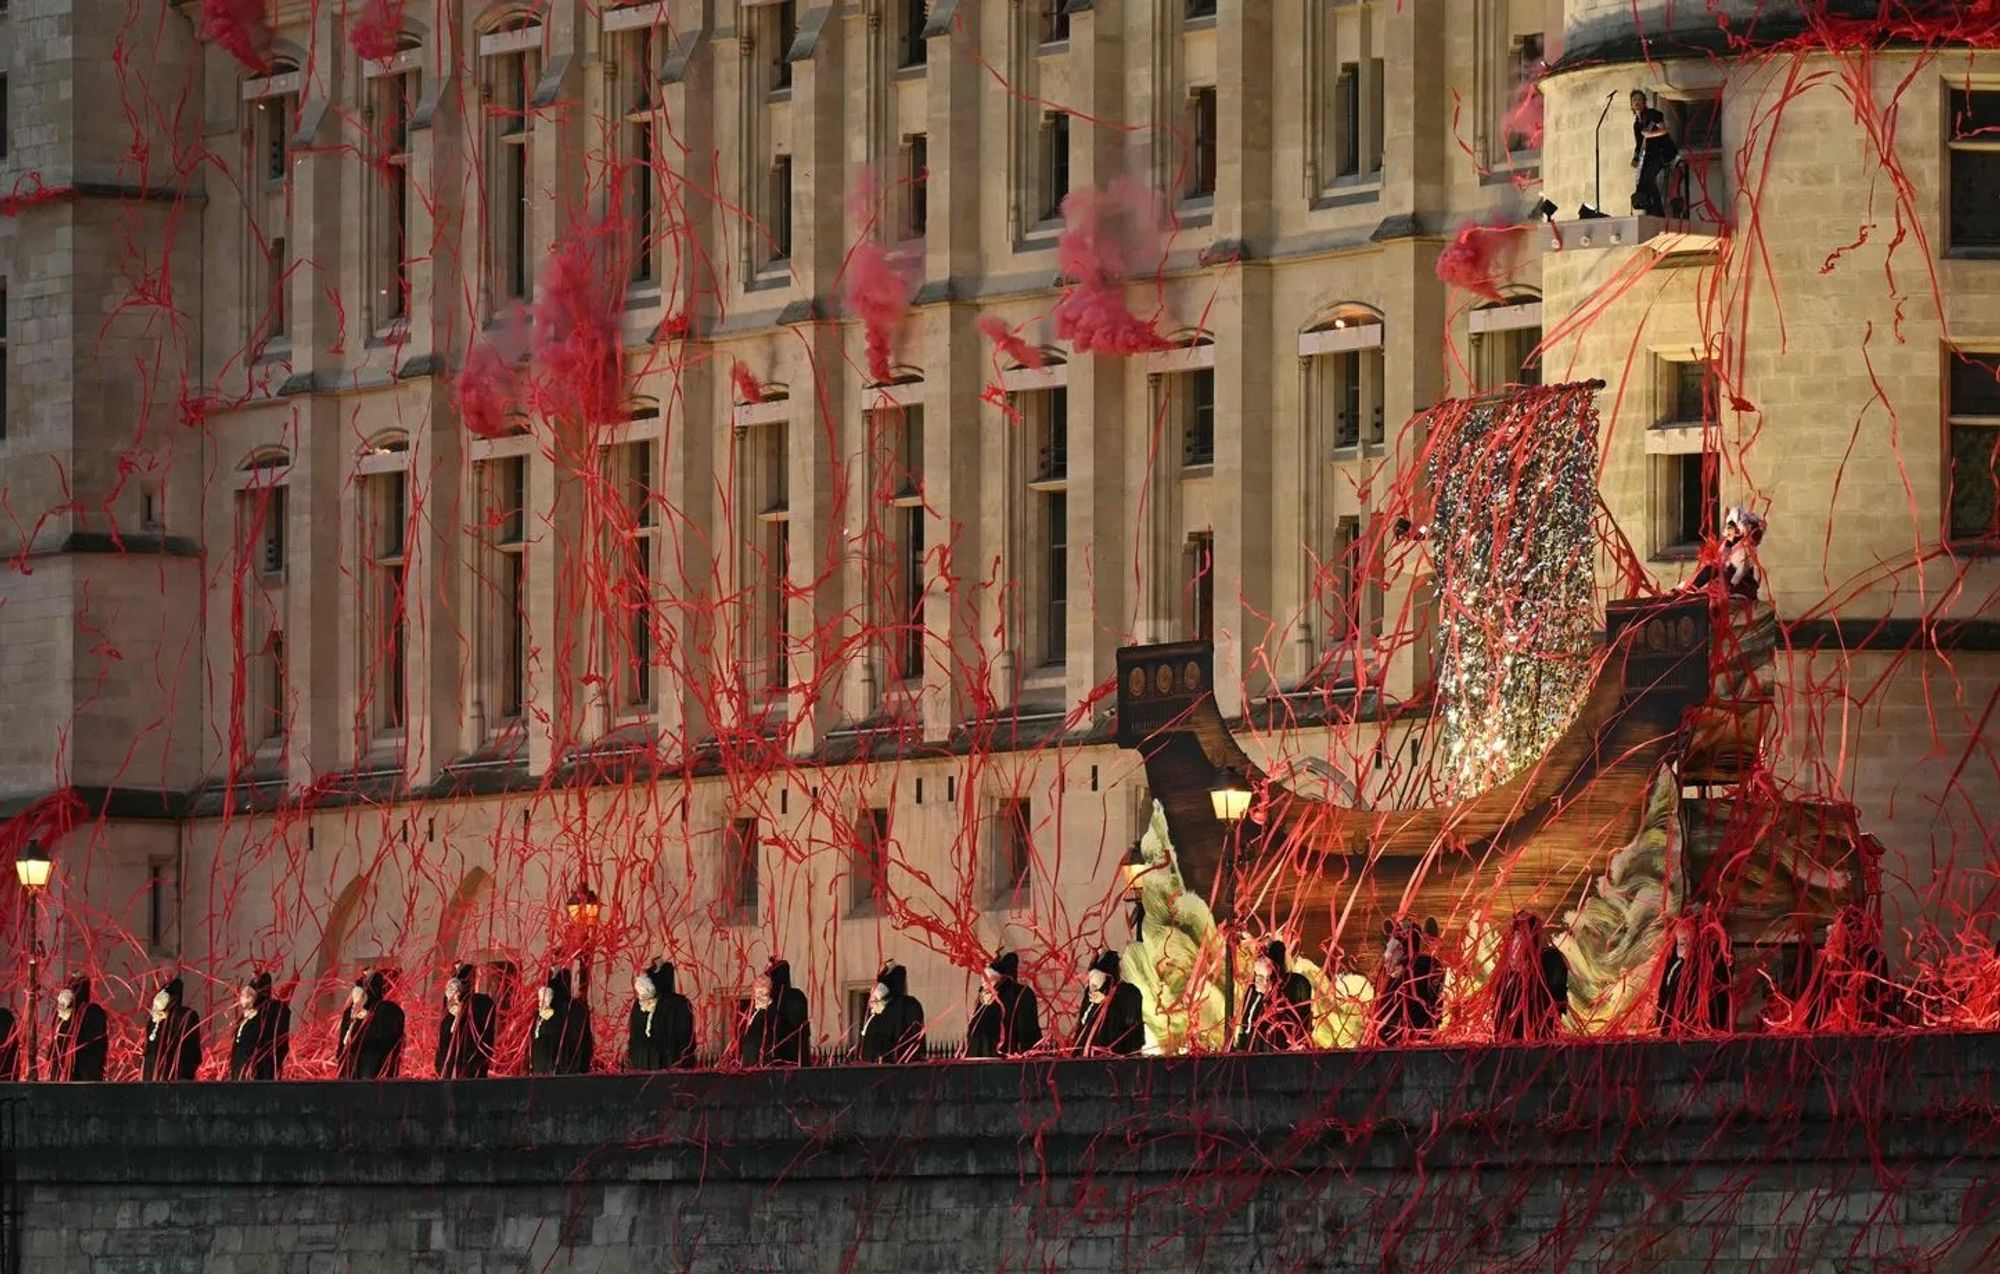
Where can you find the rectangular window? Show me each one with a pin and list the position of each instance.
(278, 113)
(740, 853)
(781, 209)
(1197, 417)
(916, 49)
(856, 1004)
(1527, 56)
(1686, 508)
(271, 533)
(1055, 577)
(634, 87)
(1972, 409)
(1201, 8)
(1199, 568)
(4, 95)
(1055, 164)
(3, 360)
(159, 902)
(278, 263)
(1685, 393)
(390, 284)
(916, 186)
(629, 626)
(1974, 116)
(505, 494)
(1508, 356)
(510, 87)
(1054, 24)
(1347, 131)
(766, 553)
(1013, 867)
(1205, 133)
(1051, 410)
(152, 506)
(784, 28)
(871, 848)
(275, 708)
(387, 499)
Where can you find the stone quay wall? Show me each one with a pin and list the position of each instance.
(1746, 1154)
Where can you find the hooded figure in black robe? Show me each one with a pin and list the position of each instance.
(262, 1038)
(777, 1032)
(1277, 1013)
(1694, 988)
(369, 1044)
(82, 1037)
(1113, 1020)
(10, 1046)
(1409, 986)
(559, 1041)
(466, 1030)
(659, 1033)
(894, 1031)
(173, 1038)
(1531, 986)
(1848, 987)
(1008, 1021)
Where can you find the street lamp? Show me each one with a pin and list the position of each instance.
(583, 909)
(1229, 796)
(32, 868)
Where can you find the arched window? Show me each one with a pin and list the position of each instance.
(1342, 352)
(394, 88)
(510, 63)
(1505, 342)
(262, 536)
(271, 105)
(383, 487)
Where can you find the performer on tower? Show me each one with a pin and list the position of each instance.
(466, 1030)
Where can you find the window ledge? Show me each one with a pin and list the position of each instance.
(1043, 238)
(396, 333)
(1206, 22)
(1357, 451)
(1195, 211)
(1974, 252)
(777, 95)
(770, 277)
(915, 71)
(1677, 553)
(643, 296)
(1051, 48)
(1973, 548)
(1201, 469)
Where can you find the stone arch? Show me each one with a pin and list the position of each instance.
(1343, 314)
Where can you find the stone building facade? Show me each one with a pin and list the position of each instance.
(878, 614)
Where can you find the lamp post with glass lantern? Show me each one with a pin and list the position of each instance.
(1229, 797)
(32, 868)
(583, 909)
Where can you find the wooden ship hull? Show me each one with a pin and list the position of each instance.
(1329, 874)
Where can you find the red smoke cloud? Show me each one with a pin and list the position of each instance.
(1107, 235)
(1481, 256)
(578, 351)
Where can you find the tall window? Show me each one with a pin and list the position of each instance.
(1974, 130)
(783, 28)
(1055, 164)
(765, 506)
(1198, 572)
(1511, 43)
(1045, 416)
(1686, 393)
(1355, 605)
(871, 850)
(633, 86)
(1685, 499)
(160, 880)
(915, 48)
(1972, 410)
(1343, 381)
(1011, 874)
(741, 843)
(1345, 127)
(389, 285)
(274, 106)
(3, 359)
(1505, 343)
(1527, 52)
(504, 496)
(4, 95)
(916, 186)
(1201, 8)
(629, 627)
(780, 223)
(273, 693)
(511, 70)
(261, 549)
(1053, 24)
(1205, 134)
(900, 480)
(385, 514)
(1195, 399)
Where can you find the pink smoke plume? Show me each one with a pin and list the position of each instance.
(877, 288)
(1023, 354)
(242, 28)
(489, 386)
(1107, 235)
(748, 388)
(579, 354)
(374, 30)
(1481, 256)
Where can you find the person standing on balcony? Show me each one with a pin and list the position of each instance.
(660, 1029)
(1409, 987)
(82, 1037)
(1653, 153)
(173, 1038)
(559, 1041)
(1112, 1023)
(777, 1032)
(263, 1034)
(894, 1031)
(370, 1042)
(1278, 1011)
(465, 1031)
(1008, 1021)
(1531, 986)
